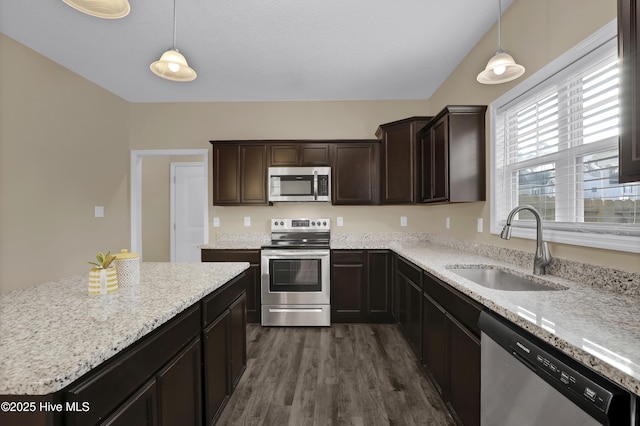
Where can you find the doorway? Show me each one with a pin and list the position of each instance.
(187, 222)
(137, 190)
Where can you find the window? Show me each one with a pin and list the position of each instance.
(555, 146)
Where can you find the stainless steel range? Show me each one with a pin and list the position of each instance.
(295, 273)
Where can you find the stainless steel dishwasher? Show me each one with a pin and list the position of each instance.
(525, 381)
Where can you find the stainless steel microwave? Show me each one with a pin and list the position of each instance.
(300, 184)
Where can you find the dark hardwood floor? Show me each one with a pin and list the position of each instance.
(346, 374)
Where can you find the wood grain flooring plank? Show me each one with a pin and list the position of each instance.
(346, 374)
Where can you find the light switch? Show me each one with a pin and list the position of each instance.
(216, 222)
(403, 221)
(99, 211)
(339, 221)
(247, 221)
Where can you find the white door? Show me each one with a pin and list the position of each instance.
(188, 204)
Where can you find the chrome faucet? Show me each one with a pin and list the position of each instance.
(543, 256)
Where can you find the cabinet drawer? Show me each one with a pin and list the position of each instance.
(215, 255)
(214, 304)
(347, 257)
(409, 270)
(461, 307)
(106, 387)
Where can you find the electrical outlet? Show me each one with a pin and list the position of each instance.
(403, 221)
(247, 221)
(340, 221)
(480, 225)
(216, 222)
(447, 223)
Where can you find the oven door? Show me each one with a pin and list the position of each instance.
(295, 276)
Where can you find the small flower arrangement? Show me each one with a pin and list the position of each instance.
(103, 260)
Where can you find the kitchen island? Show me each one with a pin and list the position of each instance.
(54, 337)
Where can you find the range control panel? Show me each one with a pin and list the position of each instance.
(306, 224)
(562, 373)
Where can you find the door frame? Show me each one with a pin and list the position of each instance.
(136, 190)
(172, 201)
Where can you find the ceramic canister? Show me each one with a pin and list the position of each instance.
(128, 268)
(103, 281)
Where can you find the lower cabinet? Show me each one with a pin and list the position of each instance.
(252, 275)
(451, 347)
(361, 286)
(408, 295)
(224, 349)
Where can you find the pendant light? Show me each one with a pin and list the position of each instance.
(501, 67)
(108, 9)
(172, 65)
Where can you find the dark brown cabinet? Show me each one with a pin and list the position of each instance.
(629, 44)
(452, 156)
(355, 167)
(252, 275)
(180, 388)
(400, 160)
(451, 347)
(360, 286)
(239, 173)
(140, 409)
(299, 154)
(409, 299)
(224, 352)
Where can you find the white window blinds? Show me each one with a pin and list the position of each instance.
(556, 148)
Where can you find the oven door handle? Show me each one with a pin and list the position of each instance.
(296, 254)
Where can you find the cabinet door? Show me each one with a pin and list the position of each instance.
(440, 160)
(216, 363)
(347, 286)
(253, 175)
(398, 165)
(434, 342)
(629, 43)
(284, 155)
(238, 339)
(140, 409)
(464, 374)
(379, 286)
(179, 388)
(226, 174)
(355, 173)
(314, 154)
(414, 316)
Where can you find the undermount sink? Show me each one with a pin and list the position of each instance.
(498, 279)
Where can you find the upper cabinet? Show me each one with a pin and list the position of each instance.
(355, 172)
(629, 43)
(400, 160)
(452, 156)
(299, 154)
(239, 173)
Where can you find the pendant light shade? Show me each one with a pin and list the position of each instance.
(172, 65)
(107, 9)
(501, 67)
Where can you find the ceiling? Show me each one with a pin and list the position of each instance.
(259, 50)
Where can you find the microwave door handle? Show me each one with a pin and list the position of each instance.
(315, 184)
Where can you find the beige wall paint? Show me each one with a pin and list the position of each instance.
(64, 148)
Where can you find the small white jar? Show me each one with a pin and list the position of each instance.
(128, 268)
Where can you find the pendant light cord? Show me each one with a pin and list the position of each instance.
(174, 25)
(499, 26)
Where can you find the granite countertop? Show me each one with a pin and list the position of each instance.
(55, 332)
(597, 323)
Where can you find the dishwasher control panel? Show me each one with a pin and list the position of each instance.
(562, 373)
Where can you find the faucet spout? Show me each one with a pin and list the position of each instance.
(543, 256)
